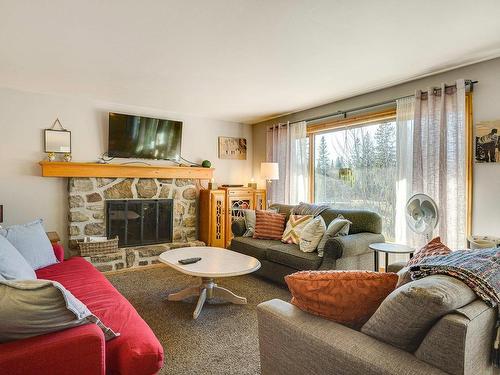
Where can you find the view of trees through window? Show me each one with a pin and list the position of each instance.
(356, 168)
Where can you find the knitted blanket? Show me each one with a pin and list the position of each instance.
(478, 269)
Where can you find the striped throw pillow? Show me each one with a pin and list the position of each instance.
(294, 227)
(268, 225)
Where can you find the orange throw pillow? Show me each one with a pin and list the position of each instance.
(435, 247)
(268, 225)
(346, 297)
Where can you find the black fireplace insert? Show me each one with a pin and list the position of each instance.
(139, 222)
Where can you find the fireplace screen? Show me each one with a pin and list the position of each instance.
(139, 222)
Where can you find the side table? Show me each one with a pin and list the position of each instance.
(388, 248)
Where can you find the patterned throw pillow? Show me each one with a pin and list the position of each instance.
(311, 235)
(435, 247)
(346, 297)
(268, 225)
(294, 227)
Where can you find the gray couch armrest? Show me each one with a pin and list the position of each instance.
(460, 343)
(293, 342)
(238, 228)
(351, 245)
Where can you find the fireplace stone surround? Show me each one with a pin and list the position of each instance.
(87, 217)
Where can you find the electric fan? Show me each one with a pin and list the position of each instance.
(422, 215)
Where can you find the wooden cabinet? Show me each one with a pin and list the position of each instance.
(230, 203)
(213, 217)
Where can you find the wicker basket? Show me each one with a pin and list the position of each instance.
(98, 248)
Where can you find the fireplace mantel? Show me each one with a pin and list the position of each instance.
(65, 169)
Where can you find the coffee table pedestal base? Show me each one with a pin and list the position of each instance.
(207, 290)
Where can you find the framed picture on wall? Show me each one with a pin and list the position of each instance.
(487, 136)
(232, 148)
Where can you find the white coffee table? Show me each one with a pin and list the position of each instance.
(215, 263)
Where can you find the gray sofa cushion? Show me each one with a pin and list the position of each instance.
(253, 247)
(291, 256)
(409, 312)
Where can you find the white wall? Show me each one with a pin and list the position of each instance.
(23, 116)
(486, 106)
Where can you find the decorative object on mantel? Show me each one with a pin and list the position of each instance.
(57, 141)
(206, 164)
(212, 185)
(252, 184)
(487, 141)
(269, 172)
(63, 169)
(232, 148)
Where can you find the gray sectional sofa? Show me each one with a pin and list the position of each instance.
(294, 342)
(346, 252)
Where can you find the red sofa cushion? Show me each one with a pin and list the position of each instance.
(76, 350)
(58, 251)
(137, 350)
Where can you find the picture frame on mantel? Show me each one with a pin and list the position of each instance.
(57, 141)
(232, 148)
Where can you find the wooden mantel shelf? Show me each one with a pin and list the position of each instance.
(64, 169)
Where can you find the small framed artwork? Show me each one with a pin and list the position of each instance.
(57, 141)
(232, 148)
(487, 138)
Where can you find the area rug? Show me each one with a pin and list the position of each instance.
(223, 340)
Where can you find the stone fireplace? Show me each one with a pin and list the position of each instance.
(90, 196)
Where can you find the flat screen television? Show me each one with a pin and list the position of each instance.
(141, 137)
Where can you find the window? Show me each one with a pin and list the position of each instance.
(355, 168)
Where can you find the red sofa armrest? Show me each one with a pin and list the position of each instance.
(58, 251)
(75, 350)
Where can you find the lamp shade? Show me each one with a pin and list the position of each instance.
(269, 171)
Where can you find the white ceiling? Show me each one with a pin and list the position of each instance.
(237, 60)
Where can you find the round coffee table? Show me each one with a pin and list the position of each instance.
(389, 248)
(215, 263)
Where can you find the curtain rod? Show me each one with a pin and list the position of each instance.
(468, 82)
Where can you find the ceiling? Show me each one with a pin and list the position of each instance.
(236, 60)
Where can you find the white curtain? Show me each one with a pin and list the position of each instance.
(288, 145)
(405, 111)
(439, 157)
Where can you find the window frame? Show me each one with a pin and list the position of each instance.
(390, 115)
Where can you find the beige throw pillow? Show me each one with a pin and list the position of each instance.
(294, 228)
(338, 227)
(311, 234)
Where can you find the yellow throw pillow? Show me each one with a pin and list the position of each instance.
(294, 227)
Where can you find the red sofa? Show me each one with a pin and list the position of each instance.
(83, 350)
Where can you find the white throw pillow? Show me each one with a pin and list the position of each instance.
(32, 242)
(311, 234)
(338, 227)
(12, 264)
(35, 307)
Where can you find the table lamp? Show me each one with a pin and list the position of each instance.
(269, 172)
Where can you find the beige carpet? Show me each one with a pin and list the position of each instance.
(223, 340)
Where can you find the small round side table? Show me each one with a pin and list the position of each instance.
(388, 248)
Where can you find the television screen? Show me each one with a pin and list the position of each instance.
(143, 137)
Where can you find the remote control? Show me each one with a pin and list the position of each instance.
(189, 260)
